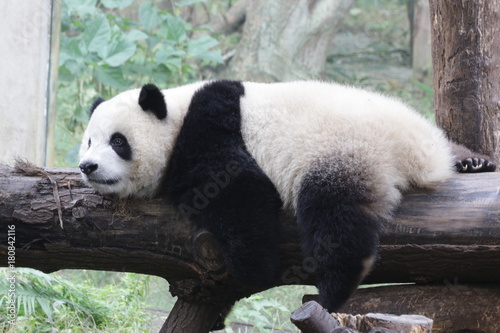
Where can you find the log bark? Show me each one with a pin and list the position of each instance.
(452, 305)
(192, 317)
(385, 323)
(466, 49)
(286, 40)
(313, 318)
(455, 226)
(59, 223)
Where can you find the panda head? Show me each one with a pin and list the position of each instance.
(126, 146)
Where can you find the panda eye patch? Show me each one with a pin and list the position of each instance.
(120, 145)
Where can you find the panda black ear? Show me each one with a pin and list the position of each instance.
(95, 104)
(151, 99)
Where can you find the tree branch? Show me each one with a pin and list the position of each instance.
(455, 226)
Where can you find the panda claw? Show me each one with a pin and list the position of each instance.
(471, 165)
(490, 166)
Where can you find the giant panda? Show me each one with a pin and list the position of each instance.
(232, 155)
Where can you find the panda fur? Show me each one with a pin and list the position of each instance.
(232, 155)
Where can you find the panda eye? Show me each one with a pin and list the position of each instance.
(117, 142)
(121, 146)
(90, 143)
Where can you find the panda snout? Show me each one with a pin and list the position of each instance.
(88, 167)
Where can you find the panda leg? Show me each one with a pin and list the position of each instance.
(244, 219)
(340, 239)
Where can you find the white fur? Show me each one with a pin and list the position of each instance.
(152, 141)
(384, 146)
(287, 127)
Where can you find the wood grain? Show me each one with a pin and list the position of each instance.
(452, 232)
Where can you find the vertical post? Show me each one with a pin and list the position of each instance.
(466, 56)
(421, 41)
(28, 78)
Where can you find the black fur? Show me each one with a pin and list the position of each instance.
(151, 99)
(214, 181)
(95, 104)
(337, 235)
(120, 145)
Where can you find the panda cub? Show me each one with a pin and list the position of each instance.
(338, 157)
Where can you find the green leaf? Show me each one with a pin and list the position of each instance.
(80, 7)
(70, 50)
(120, 51)
(135, 35)
(149, 15)
(200, 49)
(73, 55)
(120, 4)
(184, 3)
(171, 57)
(97, 34)
(174, 29)
(111, 76)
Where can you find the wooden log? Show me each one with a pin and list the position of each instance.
(452, 305)
(59, 223)
(385, 322)
(455, 226)
(313, 318)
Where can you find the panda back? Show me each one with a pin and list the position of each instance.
(289, 127)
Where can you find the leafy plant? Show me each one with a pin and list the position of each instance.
(261, 312)
(102, 53)
(49, 303)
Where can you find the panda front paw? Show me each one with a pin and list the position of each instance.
(472, 164)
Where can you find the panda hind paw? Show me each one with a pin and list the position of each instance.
(473, 164)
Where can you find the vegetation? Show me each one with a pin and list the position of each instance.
(51, 303)
(103, 53)
(372, 51)
(83, 301)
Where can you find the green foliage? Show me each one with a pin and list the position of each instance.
(269, 311)
(49, 303)
(260, 312)
(102, 53)
(373, 51)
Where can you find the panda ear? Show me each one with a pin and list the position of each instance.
(151, 99)
(95, 104)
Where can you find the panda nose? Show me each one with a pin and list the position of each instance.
(88, 167)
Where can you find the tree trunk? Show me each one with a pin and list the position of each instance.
(286, 40)
(196, 317)
(466, 54)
